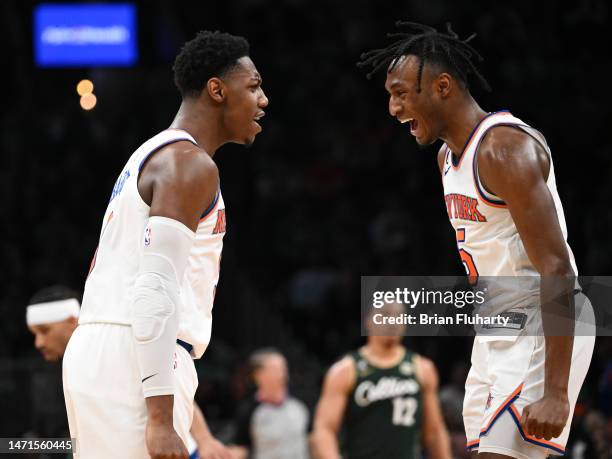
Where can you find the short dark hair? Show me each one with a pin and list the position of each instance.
(447, 50)
(257, 358)
(208, 55)
(54, 293)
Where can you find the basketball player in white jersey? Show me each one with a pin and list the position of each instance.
(52, 317)
(502, 201)
(129, 377)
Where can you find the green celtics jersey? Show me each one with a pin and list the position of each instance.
(383, 416)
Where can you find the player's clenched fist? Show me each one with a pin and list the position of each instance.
(546, 418)
(164, 443)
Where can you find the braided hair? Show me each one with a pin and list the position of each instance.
(447, 50)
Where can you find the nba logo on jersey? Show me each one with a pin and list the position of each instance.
(147, 238)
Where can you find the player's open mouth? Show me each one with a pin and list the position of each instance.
(257, 117)
(414, 124)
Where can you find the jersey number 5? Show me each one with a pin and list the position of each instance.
(466, 258)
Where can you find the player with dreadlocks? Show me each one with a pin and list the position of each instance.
(502, 201)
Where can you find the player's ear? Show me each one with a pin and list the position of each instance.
(443, 85)
(216, 89)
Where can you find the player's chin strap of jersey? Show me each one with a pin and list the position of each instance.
(163, 261)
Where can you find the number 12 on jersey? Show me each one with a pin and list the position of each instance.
(404, 409)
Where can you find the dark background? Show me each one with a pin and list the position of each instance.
(334, 188)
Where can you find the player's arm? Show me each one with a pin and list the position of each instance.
(208, 446)
(330, 410)
(515, 167)
(435, 436)
(178, 183)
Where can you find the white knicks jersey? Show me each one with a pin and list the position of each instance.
(108, 295)
(487, 238)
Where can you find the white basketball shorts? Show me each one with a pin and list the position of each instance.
(507, 374)
(106, 408)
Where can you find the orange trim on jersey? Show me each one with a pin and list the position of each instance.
(531, 438)
(460, 159)
(501, 408)
(474, 135)
(216, 204)
(472, 444)
(483, 198)
(93, 261)
(488, 201)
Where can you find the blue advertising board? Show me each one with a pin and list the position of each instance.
(84, 35)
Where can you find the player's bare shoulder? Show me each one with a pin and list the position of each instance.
(179, 181)
(342, 374)
(507, 156)
(183, 167)
(426, 372)
(511, 148)
(195, 167)
(182, 163)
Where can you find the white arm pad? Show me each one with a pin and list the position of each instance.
(164, 258)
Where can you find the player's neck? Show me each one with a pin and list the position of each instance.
(466, 117)
(202, 123)
(272, 395)
(381, 354)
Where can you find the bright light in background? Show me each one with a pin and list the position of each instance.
(88, 101)
(84, 87)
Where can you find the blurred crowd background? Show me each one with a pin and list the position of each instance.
(333, 189)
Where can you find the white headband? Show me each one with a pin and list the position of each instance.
(53, 311)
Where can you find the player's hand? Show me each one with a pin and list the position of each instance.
(213, 449)
(164, 443)
(547, 417)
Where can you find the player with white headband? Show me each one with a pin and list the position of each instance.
(52, 316)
